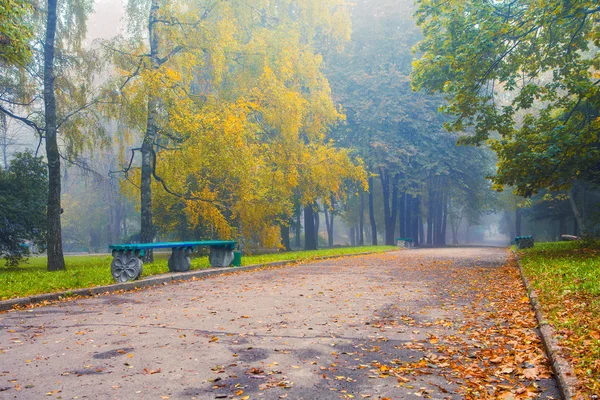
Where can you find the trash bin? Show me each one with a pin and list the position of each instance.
(237, 258)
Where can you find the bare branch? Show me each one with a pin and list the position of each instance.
(168, 190)
(24, 120)
(171, 54)
(74, 112)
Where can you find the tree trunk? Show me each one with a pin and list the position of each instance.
(430, 214)
(298, 243)
(352, 237)
(580, 223)
(517, 221)
(372, 213)
(402, 216)
(125, 233)
(421, 230)
(444, 219)
(329, 226)
(317, 223)
(439, 210)
(361, 221)
(408, 216)
(4, 129)
(454, 226)
(147, 228)
(389, 210)
(415, 220)
(285, 236)
(56, 260)
(309, 228)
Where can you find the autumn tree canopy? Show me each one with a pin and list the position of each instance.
(525, 75)
(240, 111)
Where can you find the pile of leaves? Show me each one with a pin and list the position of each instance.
(494, 352)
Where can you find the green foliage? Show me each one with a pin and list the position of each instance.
(15, 31)
(525, 76)
(396, 129)
(23, 194)
(88, 271)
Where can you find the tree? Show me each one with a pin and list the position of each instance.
(389, 125)
(23, 193)
(243, 113)
(525, 76)
(29, 94)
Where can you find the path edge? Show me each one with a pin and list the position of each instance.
(565, 375)
(161, 279)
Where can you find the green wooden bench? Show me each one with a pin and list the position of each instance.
(127, 263)
(524, 242)
(404, 242)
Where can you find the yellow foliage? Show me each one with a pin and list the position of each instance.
(252, 108)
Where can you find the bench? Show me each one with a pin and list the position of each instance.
(127, 263)
(405, 242)
(523, 242)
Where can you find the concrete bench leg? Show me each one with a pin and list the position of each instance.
(179, 261)
(126, 266)
(220, 256)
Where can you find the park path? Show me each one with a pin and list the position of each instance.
(433, 323)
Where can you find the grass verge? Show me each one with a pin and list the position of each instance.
(567, 280)
(86, 271)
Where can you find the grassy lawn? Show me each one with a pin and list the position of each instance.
(89, 270)
(567, 279)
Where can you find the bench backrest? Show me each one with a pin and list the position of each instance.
(169, 245)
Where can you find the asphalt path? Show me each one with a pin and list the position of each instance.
(394, 325)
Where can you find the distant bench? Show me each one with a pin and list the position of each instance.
(523, 242)
(405, 242)
(127, 263)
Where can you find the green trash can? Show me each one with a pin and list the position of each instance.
(237, 258)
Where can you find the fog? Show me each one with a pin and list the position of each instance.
(384, 166)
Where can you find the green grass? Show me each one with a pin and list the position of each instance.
(566, 277)
(86, 271)
(564, 265)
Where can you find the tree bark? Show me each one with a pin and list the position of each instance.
(372, 213)
(444, 219)
(317, 223)
(285, 236)
(580, 223)
(517, 221)
(421, 230)
(408, 216)
(430, 214)
(454, 226)
(329, 225)
(4, 129)
(389, 210)
(402, 215)
(439, 210)
(310, 242)
(361, 221)
(56, 260)
(147, 227)
(415, 220)
(298, 242)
